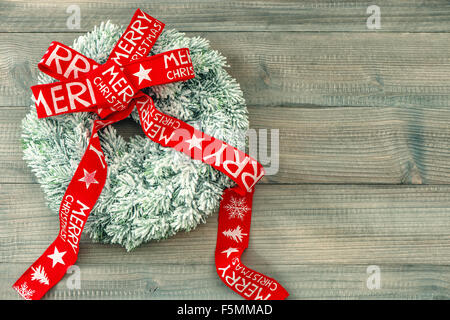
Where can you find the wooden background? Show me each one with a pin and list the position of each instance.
(364, 178)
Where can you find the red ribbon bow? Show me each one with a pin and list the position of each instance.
(112, 90)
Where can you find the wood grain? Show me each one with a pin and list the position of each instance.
(289, 69)
(364, 177)
(124, 281)
(317, 239)
(316, 145)
(227, 15)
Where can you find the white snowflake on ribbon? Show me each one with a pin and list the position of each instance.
(237, 208)
(235, 234)
(24, 291)
(40, 275)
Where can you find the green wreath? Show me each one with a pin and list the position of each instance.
(151, 192)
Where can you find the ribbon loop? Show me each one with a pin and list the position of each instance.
(113, 89)
(138, 39)
(64, 63)
(64, 97)
(162, 68)
(107, 86)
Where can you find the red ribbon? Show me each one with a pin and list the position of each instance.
(112, 90)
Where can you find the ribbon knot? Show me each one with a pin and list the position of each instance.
(112, 90)
(112, 86)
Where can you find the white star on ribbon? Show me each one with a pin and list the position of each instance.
(195, 142)
(57, 257)
(143, 74)
(230, 251)
(88, 178)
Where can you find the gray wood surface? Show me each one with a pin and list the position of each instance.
(227, 15)
(317, 145)
(317, 239)
(293, 69)
(364, 174)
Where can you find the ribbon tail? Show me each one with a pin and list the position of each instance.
(232, 239)
(81, 195)
(43, 274)
(235, 207)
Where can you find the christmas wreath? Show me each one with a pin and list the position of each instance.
(150, 187)
(151, 192)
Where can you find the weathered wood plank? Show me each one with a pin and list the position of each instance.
(289, 69)
(316, 239)
(297, 224)
(203, 15)
(316, 145)
(182, 281)
(392, 126)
